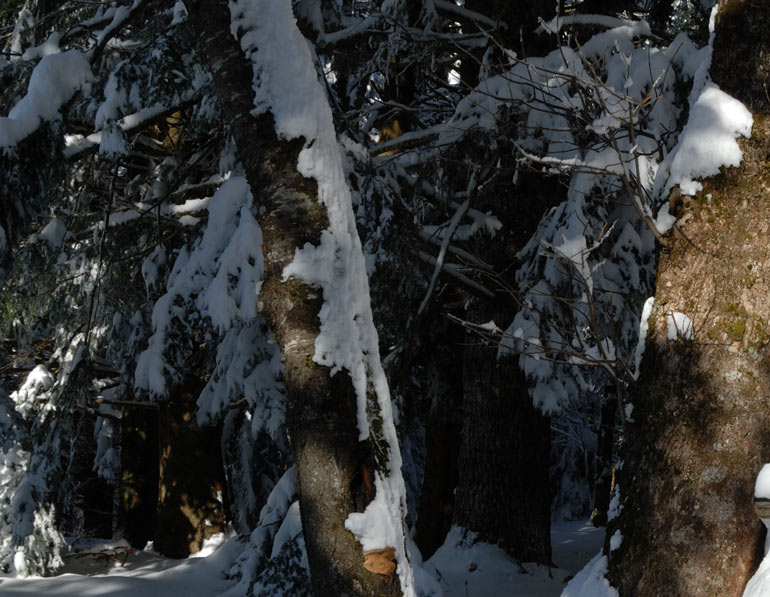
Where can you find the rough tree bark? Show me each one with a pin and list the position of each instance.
(701, 428)
(192, 478)
(333, 467)
(503, 490)
(443, 358)
(138, 509)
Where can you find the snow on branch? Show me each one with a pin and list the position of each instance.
(55, 79)
(470, 15)
(359, 28)
(604, 114)
(556, 24)
(78, 146)
(459, 213)
(121, 17)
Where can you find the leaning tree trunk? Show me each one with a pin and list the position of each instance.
(334, 469)
(701, 428)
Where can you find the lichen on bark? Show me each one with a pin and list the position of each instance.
(700, 430)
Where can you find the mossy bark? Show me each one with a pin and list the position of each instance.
(701, 418)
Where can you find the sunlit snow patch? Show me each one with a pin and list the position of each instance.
(591, 581)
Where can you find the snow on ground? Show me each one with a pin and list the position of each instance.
(483, 570)
(574, 544)
(144, 574)
(479, 570)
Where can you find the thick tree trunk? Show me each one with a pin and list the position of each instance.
(138, 507)
(740, 65)
(503, 492)
(334, 469)
(192, 482)
(701, 428)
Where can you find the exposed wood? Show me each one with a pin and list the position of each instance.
(381, 561)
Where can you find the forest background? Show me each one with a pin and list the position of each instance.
(383, 272)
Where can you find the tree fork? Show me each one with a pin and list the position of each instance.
(331, 462)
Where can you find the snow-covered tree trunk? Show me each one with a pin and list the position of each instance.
(335, 470)
(700, 426)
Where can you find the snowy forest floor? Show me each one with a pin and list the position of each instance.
(479, 571)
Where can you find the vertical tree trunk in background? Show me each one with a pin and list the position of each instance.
(192, 483)
(333, 467)
(701, 428)
(139, 465)
(740, 64)
(442, 435)
(605, 438)
(503, 491)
